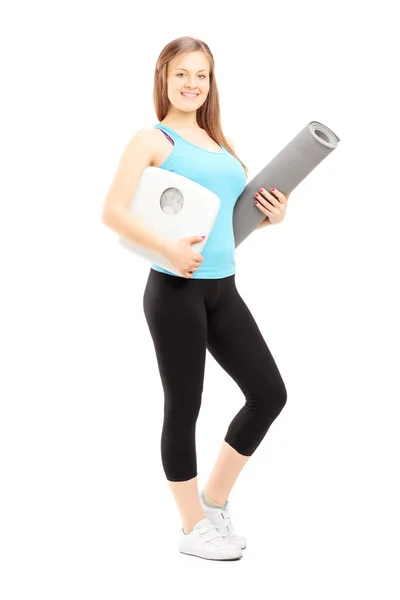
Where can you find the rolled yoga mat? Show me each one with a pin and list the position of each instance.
(293, 163)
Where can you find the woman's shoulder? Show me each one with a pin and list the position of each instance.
(145, 141)
(147, 135)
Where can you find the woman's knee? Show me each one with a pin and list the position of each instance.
(274, 399)
(279, 394)
(282, 394)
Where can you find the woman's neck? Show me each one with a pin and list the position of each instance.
(182, 126)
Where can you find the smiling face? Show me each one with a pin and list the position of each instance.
(188, 81)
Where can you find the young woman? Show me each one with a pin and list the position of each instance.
(201, 309)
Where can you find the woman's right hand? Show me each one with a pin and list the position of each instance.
(182, 256)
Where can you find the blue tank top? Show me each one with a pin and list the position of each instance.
(223, 174)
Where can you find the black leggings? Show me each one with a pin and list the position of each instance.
(186, 316)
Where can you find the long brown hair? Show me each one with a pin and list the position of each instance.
(208, 115)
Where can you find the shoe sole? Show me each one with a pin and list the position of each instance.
(205, 557)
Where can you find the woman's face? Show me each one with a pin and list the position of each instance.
(188, 73)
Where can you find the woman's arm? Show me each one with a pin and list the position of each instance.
(116, 214)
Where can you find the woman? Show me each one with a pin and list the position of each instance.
(201, 309)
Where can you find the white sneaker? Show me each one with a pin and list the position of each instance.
(221, 518)
(205, 541)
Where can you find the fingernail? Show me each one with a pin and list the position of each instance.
(272, 189)
(256, 195)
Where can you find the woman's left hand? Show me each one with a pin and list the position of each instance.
(277, 211)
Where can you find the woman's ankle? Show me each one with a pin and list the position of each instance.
(213, 500)
(188, 524)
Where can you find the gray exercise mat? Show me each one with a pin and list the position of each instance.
(293, 163)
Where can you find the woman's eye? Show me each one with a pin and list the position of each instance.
(184, 74)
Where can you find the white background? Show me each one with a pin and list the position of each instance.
(86, 511)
